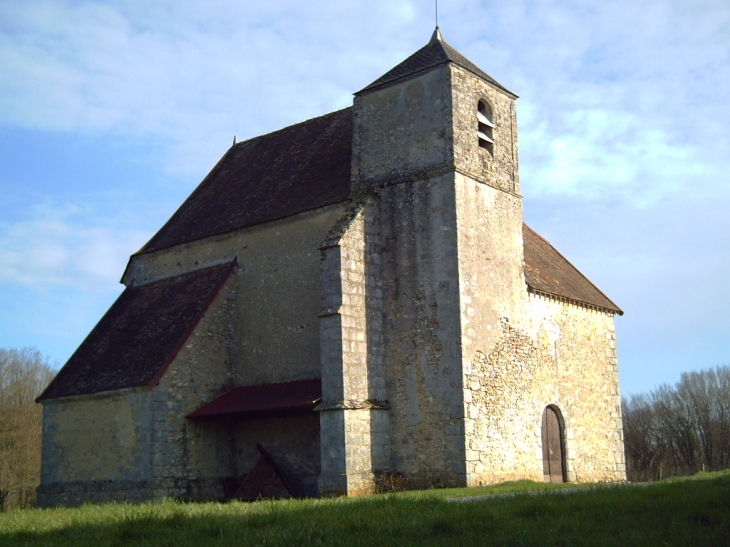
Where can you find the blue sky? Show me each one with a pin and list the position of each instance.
(112, 112)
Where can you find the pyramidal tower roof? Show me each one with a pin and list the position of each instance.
(435, 53)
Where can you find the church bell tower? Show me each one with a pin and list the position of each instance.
(434, 171)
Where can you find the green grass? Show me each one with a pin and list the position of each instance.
(688, 512)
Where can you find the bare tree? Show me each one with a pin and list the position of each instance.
(722, 431)
(707, 395)
(677, 420)
(24, 374)
(680, 430)
(645, 442)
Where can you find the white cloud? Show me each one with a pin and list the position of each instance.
(61, 245)
(599, 154)
(629, 78)
(97, 67)
(187, 75)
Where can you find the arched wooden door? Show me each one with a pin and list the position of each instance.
(553, 460)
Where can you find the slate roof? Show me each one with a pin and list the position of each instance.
(546, 270)
(296, 169)
(435, 53)
(140, 335)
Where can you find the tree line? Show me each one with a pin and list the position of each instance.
(24, 374)
(679, 430)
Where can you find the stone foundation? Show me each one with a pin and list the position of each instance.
(75, 493)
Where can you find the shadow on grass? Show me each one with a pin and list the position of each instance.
(688, 512)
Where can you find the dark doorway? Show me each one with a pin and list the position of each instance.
(553, 460)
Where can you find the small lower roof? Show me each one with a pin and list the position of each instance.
(286, 396)
(140, 335)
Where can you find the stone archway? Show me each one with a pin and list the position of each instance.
(553, 449)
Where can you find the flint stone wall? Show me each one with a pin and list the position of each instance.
(564, 356)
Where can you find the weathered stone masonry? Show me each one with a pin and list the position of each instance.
(353, 418)
(132, 445)
(378, 253)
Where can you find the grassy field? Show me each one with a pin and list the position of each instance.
(692, 512)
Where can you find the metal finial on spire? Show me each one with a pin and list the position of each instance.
(436, 36)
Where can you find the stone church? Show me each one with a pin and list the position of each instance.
(345, 304)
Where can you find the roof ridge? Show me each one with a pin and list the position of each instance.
(292, 126)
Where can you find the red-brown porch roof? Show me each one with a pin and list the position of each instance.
(286, 396)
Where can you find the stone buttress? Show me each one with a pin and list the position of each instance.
(354, 424)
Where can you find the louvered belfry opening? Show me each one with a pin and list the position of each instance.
(553, 461)
(485, 125)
